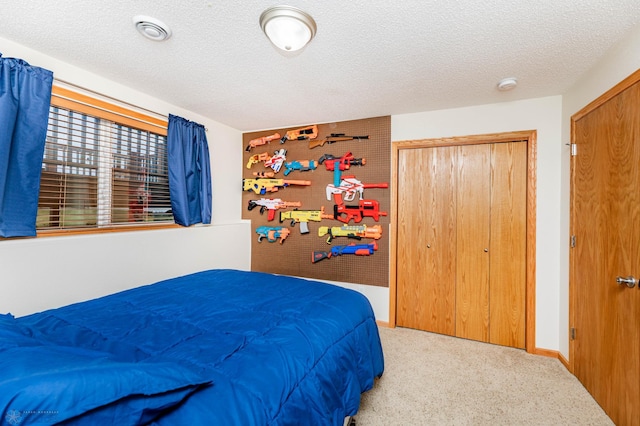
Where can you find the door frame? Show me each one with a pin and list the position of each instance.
(528, 136)
(592, 106)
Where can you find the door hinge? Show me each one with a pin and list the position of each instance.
(573, 241)
(572, 333)
(574, 149)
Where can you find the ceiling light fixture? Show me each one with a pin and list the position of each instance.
(151, 28)
(507, 84)
(288, 27)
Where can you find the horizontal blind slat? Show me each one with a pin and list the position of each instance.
(98, 173)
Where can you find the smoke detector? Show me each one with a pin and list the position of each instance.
(507, 84)
(151, 28)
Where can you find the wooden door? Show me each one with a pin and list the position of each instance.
(427, 234)
(472, 255)
(508, 247)
(605, 219)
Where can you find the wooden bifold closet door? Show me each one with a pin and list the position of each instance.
(461, 252)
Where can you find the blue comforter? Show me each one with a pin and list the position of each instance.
(219, 347)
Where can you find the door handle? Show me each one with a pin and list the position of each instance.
(630, 281)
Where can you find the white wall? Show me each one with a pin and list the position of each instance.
(42, 273)
(543, 115)
(620, 62)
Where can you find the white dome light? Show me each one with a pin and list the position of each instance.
(287, 27)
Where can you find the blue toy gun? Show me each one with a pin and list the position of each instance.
(357, 249)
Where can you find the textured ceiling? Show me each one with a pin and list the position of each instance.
(369, 58)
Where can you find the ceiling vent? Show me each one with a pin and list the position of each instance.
(152, 28)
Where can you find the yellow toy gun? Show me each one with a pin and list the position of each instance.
(334, 137)
(304, 133)
(303, 217)
(275, 161)
(262, 186)
(356, 232)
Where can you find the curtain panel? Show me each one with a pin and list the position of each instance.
(25, 96)
(189, 171)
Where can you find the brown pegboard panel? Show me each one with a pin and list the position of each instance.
(293, 257)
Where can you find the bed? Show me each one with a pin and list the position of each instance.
(218, 347)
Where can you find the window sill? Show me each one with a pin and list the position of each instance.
(88, 231)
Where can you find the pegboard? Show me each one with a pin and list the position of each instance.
(294, 255)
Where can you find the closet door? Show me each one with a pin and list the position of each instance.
(426, 232)
(472, 222)
(507, 260)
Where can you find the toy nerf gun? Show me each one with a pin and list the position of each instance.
(365, 208)
(272, 233)
(339, 164)
(357, 249)
(275, 161)
(264, 174)
(271, 205)
(303, 166)
(303, 217)
(334, 137)
(348, 188)
(261, 141)
(262, 186)
(256, 158)
(304, 133)
(357, 232)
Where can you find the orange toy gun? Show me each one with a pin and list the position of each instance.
(365, 208)
(271, 205)
(261, 141)
(272, 233)
(334, 137)
(304, 133)
(262, 186)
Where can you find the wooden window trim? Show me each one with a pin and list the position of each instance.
(68, 99)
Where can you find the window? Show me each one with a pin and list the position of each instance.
(104, 166)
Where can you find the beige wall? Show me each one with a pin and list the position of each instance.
(621, 61)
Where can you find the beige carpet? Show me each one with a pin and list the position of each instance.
(431, 379)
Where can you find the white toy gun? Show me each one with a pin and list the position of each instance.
(349, 187)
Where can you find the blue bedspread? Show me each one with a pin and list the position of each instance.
(264, 349)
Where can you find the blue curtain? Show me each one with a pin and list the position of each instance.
(189, 171)
(25, 96)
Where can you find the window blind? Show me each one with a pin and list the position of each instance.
(104, 166)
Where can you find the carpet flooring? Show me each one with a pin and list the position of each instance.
(431, 379)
